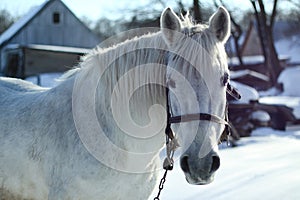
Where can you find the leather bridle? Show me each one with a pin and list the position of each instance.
(199, 116)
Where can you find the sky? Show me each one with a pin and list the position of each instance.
(95, 9)
(115, 9)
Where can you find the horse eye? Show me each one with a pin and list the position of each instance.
(171, 83)
(225, 79)
(174, 57)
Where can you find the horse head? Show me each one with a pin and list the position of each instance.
(197, 77)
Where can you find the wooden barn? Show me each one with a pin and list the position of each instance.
(50, 38)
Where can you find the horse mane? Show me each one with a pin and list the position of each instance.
(198, 32)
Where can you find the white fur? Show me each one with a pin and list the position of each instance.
(41, 153)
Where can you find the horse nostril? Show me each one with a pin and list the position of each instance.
(215, 164)
(184, 164)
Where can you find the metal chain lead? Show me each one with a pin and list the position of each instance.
(161, 184)
(171, 146)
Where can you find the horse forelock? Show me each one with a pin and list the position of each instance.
(200, 49)
(205, 47)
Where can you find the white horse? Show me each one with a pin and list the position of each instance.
(98, 134)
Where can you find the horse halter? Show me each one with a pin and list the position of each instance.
(199, 116)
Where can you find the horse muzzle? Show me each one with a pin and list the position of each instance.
(200, 171)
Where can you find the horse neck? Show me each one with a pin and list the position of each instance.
(130, 94)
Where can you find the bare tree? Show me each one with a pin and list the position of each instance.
(265, 24)
(105, 28)
(6, 20)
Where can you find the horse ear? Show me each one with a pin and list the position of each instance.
(170, 25)
(219, 24)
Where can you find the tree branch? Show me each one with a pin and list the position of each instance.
(197, 13)
(274, 12)
(259, 28)
(294, 3)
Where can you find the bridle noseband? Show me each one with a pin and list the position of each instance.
(199, 116)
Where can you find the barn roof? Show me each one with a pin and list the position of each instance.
(53, 48)
(15, 28)
(22, 22)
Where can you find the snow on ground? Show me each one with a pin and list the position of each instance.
(291, 94)
(265, 166)
(46, 80)
(290, 78)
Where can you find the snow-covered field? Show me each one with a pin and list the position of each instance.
(263, 166)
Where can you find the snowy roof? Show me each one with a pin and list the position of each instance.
(16, 27)
(50, 48)
(247, 93)
(245, 72)
(253, 60)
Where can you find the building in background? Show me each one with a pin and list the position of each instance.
(50, 38)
